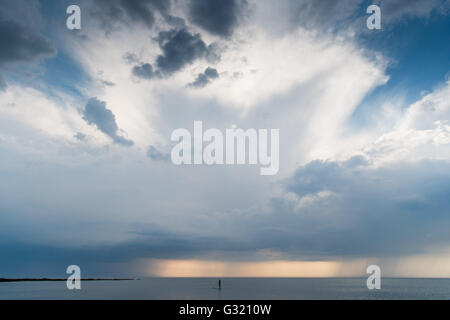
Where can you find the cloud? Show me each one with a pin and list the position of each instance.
(127, 12)
(253, 87)
(340, 15)
(323, 14)
(80, 136)
(180, 48)
(22, 45)
(218, 17)
(97, 114)
(157, 155)
(100, 258)
(144, 71)
(3, 84)
(399, 9)
(369, 211)
(421, 131)
(203, 79)
(130, 57)
(108, 83)
(328, 208)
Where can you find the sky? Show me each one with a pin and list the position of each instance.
(86, 118)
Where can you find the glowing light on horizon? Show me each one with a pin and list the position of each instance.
(264, 269)
(429, 265)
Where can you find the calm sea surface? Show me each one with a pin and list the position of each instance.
(236, 288)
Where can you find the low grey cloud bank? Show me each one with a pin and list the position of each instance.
(353, 209)
(345, 209)
(103, 260)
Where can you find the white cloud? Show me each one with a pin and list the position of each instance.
(422, 131)
(306, 84)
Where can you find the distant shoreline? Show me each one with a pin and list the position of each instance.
(61, 279)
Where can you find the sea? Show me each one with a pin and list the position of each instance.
(232, 289)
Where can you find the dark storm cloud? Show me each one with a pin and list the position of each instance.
(157, 155)
(20, 44)
(203, 79)
(218, 17)
(179, 48)
(97, 114)
(26, 259)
